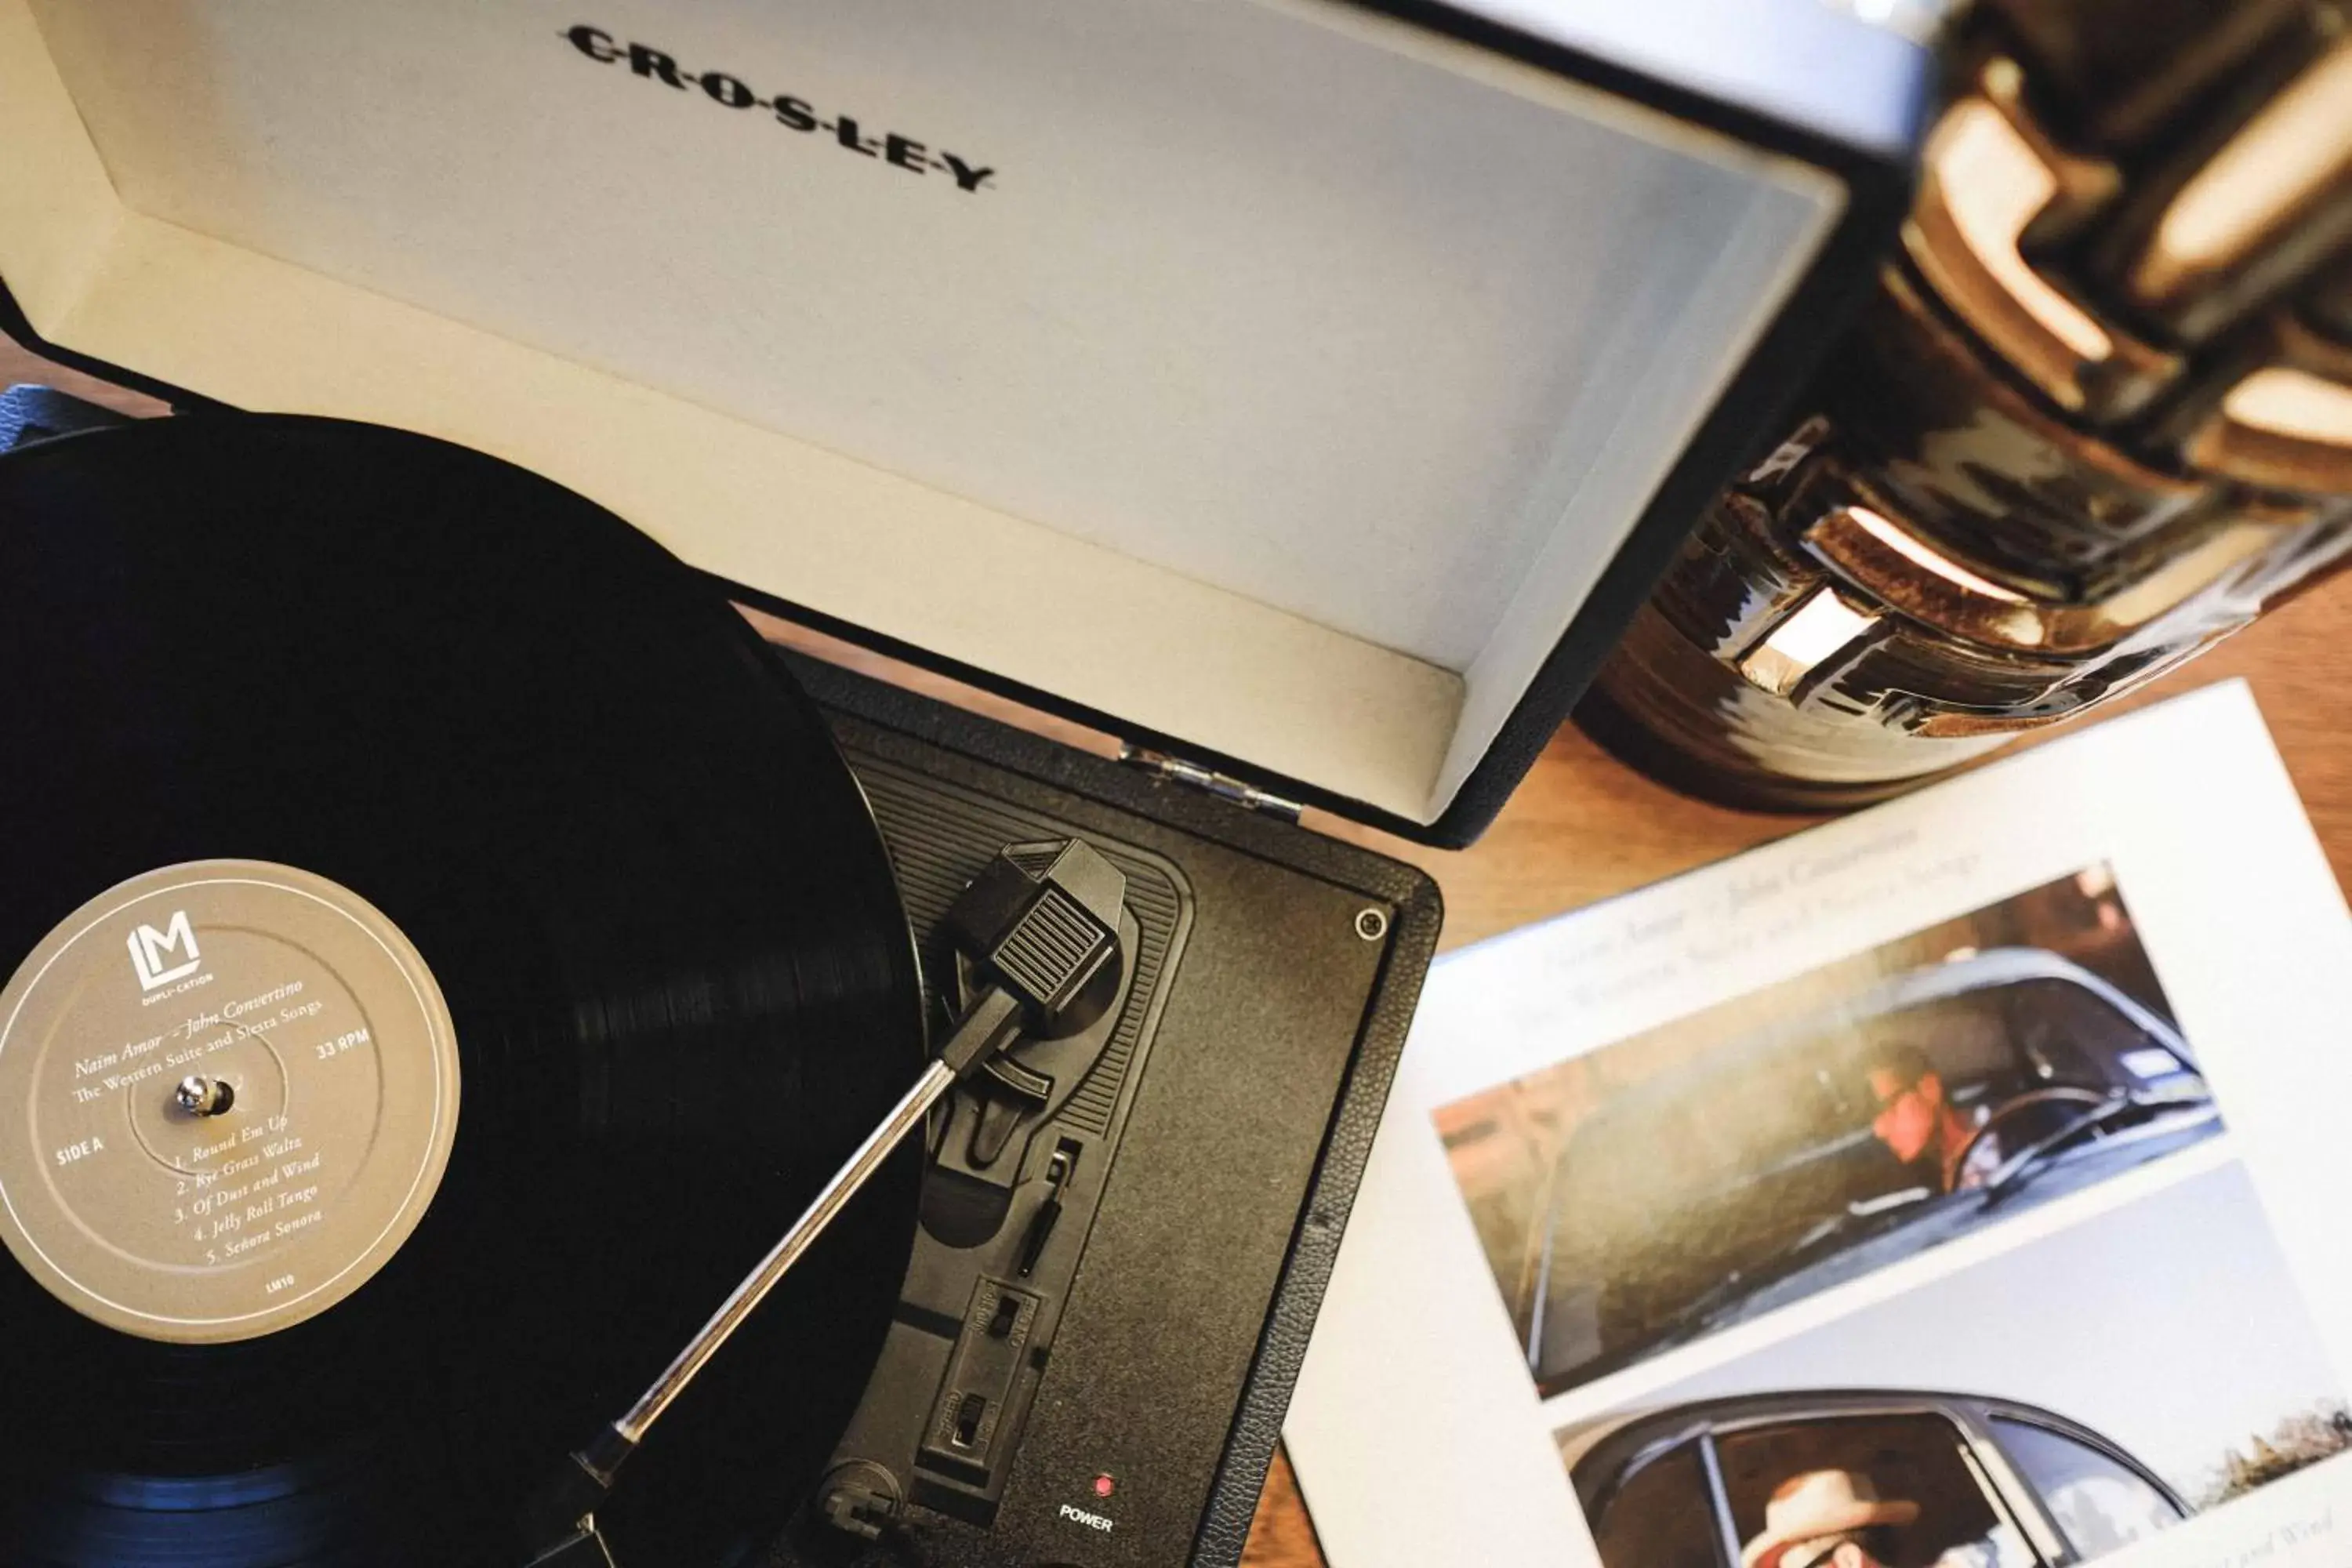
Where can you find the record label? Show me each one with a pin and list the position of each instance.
(236, 1091)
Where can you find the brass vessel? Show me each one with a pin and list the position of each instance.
(2097, 415)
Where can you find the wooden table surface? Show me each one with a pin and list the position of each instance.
(1583, 827)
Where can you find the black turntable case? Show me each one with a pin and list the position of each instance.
(1224, 1132)
(1288, 973)
(1275, 975)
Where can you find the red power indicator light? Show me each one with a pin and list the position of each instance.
(1105, 1485)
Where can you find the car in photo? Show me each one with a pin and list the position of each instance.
(1969, 1480)
(1779, 1162)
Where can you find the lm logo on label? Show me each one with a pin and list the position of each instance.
(152, 951)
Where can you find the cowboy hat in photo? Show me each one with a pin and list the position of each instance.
(1816, 1503)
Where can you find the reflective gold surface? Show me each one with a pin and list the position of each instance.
(2281, 427)
(2284, 161)
(1989, 176)
(2097, 417)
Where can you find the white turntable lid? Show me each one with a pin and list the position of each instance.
(1285, 383)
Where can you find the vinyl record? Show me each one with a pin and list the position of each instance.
(528, 958)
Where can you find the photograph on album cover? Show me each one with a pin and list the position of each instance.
(2062, 1399)
(1642, 1195)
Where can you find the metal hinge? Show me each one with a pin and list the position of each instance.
(1224, 786)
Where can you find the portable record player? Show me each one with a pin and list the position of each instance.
(1303, 394)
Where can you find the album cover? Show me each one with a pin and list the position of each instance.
(1951, 1187)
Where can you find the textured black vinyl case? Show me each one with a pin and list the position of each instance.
(1255, 1050)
